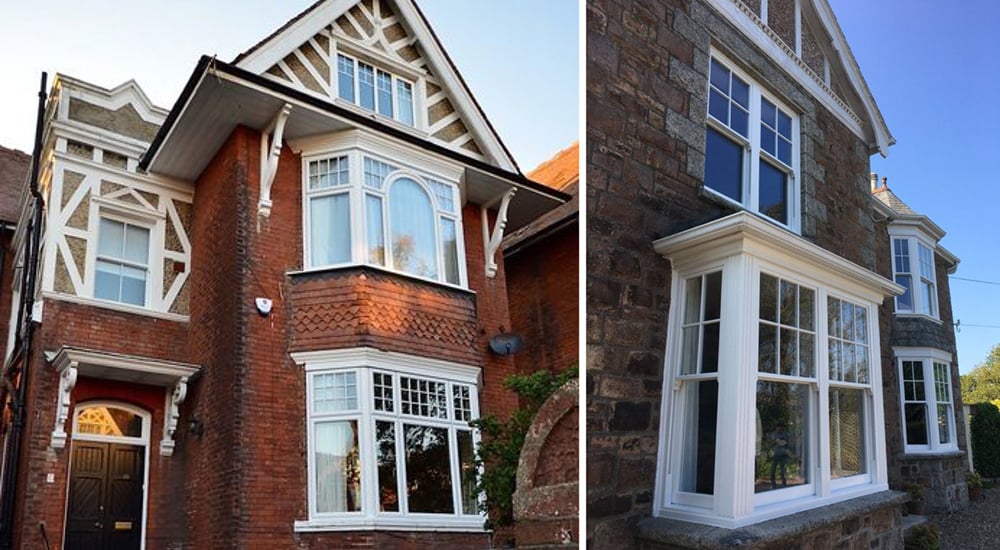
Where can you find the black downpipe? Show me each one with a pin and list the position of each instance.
(24, 322)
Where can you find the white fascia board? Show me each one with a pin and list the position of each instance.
(280, 45)
(390, 360)
(916, 225)
(949, 257)
(743, 232)
(908, 353)
(69, 355)
(758, 32)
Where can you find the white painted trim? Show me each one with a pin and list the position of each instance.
(754, 28)
(927, 357)
(153, 183)
(390, 360)
(436, 524)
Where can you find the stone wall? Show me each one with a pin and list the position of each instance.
(647, 65)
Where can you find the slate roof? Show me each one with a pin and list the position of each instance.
(14, 166)
(888, 198)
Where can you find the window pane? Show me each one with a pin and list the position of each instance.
(366, 86)
(411, 226)
(836, 369)
(740, 92)
(860, 325)
(334, 392)
(327, 173)
(136, 244)
(692, 300)
(783, 444)
(723, 165)
(329, 230)
(807, 355)
(861, 363)
(927, 298)
(773, 192)
(739, 120)
(767, 349)
(689, 350)
(902, 253)
(833, 318)
(718, 106)
(789, 352)
(713, 295)
(698, 451)
(785, 151)
(112, 238)
(719, 76)
(847, 362)
(847, 433)
(338, 470)
(710, 348)
(789, 315)
(133, 286)
(428, 470)
(444, 193)
(376, 237)
(807, 303)
(904, 302)
(768, 298)
(944, 427)
(916, 423)
(449, 243)
(107, 281)
(110, 421)
(462, 402)
(385, 457)
(404, 95)
(767, 140)
(467, 472)
(375, 172)
(345, 78)
(421, 397)
(784, 124)
(384, 93)
(767, 113)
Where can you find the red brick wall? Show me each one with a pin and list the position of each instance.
(368, 307)
(544, 282)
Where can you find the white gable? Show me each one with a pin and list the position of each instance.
(391, 35)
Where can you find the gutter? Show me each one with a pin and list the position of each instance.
(25, 321)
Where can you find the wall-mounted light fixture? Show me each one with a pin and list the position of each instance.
(196, 427)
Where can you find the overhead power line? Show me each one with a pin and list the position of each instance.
(980, 281)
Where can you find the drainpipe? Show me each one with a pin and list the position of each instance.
(26, 308)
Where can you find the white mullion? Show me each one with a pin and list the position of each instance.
(751, 181)
(456, 472)
(798, 29)
(930, 402)
(356, 202)
(823, 384)
(699, 347)
(366, 440)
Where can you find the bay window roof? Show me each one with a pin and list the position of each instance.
(218, 97)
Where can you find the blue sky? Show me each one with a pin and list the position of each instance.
(520, 57)
(933, 70)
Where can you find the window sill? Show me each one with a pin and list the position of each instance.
(379, 269)
(795, 523)
(471, 524)
(732, 206)
(911, 315)
(930, 455)
(115, 306)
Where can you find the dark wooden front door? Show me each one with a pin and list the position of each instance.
(104, 511)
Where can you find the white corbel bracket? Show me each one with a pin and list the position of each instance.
(173, 413)
(492, 240)
(270, 153)
(67, 380)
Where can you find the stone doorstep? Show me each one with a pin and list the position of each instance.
(671, 533)
(910, 521)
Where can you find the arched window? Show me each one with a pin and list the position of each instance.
(106, 420)
(411, 229)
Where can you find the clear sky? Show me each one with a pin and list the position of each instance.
(933, 69)
(519, 57)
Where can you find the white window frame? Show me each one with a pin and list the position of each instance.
(126, 222)
(766, 249)
(365, 362)
(753, 152)
(358, 193)
(927, 357)
(395, 79)
(915, 242)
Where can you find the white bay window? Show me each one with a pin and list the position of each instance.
(913, 268)
(389, 440)
(363, 209)
(771, 403)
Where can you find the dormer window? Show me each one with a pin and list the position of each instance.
(375, 90)
(915, 273)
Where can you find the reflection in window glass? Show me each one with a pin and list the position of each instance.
(411, 227)
(428, 470)
(108, 421)
(467, 473)
(723, 165)
(698, 453)
(785, 341)
(330, 229)
(847, 433)
(122, 262)
(338, 468)
(385, 456)
(782, 436)
(376, 236)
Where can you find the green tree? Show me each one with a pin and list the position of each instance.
(982, 384)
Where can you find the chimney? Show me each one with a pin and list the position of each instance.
(885, 182)
(874, 181)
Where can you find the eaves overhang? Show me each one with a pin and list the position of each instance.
(743, 232)
(219, 97)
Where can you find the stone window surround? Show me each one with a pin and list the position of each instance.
(408, 165)
(364, 361)
(927, 357)
(742, 245)
(753, 151)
